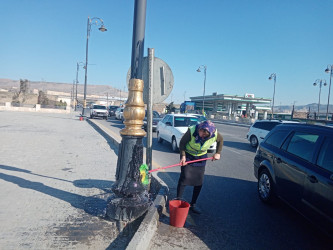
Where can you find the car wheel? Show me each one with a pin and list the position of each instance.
(159, 139)
(174, 145)
(265, 187)
(254, 141)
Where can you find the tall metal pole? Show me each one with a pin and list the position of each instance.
(149, 150)
(319, 97)
(77, 81)
(329, 88)
(273, 76)
(204, 92)
(321, 82)
(85, 72)
(131, 199)
(273, 96)
(103, 29)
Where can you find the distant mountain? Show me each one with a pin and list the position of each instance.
(9, 84)
(313, 107)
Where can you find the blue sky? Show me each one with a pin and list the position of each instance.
(241, 41)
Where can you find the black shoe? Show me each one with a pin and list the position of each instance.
(195, 209)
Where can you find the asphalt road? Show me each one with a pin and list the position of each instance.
(233, 216)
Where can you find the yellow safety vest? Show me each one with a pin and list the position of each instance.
(197, 149)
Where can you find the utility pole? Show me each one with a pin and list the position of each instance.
(131, 199)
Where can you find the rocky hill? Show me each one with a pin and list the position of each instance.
(101, 90)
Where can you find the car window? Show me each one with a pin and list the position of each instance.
(170, 119)
(185, 121)
(277, 138)
(303, 145)
(99, 107)
(165, 118)
(156, 114)
(325, 158)
(202, 118)
(265, 125)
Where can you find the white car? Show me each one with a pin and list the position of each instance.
(259, 130)
(99, 111)
(119, 114)
(174, 126)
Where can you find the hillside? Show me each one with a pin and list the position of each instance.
(101, 90)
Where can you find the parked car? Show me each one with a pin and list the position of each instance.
(112, 110)
(260, 129)
(174, 126)
(156, 119)
(295, 162)
(119, 114)
(201, 118)
(99, 111)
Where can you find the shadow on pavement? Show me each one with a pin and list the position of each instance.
(234, 218)
(91, 205)
(116, 123)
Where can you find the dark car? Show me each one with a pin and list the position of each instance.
(112, 110)
(295, 163)
(156, 119)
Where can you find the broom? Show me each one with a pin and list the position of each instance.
(144, 172)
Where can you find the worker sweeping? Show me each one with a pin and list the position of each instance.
(193, 146)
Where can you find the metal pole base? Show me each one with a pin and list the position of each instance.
(130, 199)
(127, 208)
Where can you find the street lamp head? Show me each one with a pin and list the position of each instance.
(327, 70)
(102, 28)
(325, 83)
(270, 78)
(198, 70)
(314, 84)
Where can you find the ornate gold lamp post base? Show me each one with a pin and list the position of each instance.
(130, 199)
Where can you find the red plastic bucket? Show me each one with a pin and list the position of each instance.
(178, 212)
(81, 118)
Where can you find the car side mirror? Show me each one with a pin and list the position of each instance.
(168, 123)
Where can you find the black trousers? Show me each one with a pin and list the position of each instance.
(195, 195)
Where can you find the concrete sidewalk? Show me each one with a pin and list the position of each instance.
(55, 176)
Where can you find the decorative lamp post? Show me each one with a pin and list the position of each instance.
(328, 70)
(77, 81)
(131, 199)
(204, 90)
(320, 82)
(91, 21)
(273, 76)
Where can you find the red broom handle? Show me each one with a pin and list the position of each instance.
(178, 164)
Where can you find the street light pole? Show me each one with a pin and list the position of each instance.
(130, 198)
(328, 70)
(273, 76)
(77, 81)
(320, 82)
(101, 28)
(204, 90)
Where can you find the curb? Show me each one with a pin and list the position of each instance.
(144, 234)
